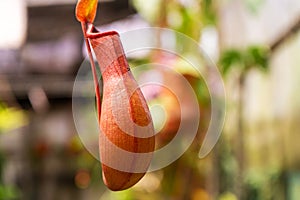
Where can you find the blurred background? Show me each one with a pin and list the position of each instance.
(255, 44)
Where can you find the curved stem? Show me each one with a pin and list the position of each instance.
(96, 83)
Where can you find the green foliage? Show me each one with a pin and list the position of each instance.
(228, 166)
(252, 57)
(263, 184)
(8, 193)
(294, 185)
(187, 20)
(257, 56)
(190, 25)
(208, 13)
(230, 58)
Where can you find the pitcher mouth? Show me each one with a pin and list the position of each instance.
(93, 32)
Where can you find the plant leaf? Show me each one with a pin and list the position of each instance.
(257, 56)
(86, 10)
(229, 58)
